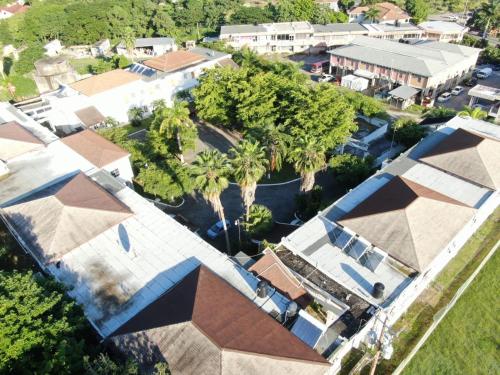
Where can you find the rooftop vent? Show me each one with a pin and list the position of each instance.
(262, 289)
(378, 290)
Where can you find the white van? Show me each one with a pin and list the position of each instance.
(484, 73)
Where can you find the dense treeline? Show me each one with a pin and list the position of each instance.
(87, 21)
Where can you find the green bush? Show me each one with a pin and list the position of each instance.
(260, 221)
(350, 170)
(406, 131)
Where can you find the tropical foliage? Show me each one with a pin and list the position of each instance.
(176, 126)
(210, 171)
(406, 131)
(249, 165)
(350, 170)
(418, 10)
(474, 113)
(259, 221)
(308, 157)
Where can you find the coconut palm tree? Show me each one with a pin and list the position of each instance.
(372, 14)
(175, 123)
(274, 140)
(249, 165)
(474, 113)
(488, 16)
(308, 157)
(210, 170)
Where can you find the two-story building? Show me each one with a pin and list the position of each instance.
(430, 67)
(443, 31)
(86, 103)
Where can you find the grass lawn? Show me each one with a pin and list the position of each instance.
(82, 65)
(413, 324)
(466, 341)
(25, 88)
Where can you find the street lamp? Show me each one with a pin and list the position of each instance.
(237, 223)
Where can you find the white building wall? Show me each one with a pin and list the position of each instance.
(399, 306)
(124, 169)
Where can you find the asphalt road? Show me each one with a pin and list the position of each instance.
(280, 199)
(458, 102)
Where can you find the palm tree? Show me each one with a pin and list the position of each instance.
(274, 140)
(488, 15)
(308, 157)
(210, 170)
(175, 123)
(372, 14)
(249, 165)
(474, 113)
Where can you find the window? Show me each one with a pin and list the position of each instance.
(371, 259)
(115, 172)
(355, 248)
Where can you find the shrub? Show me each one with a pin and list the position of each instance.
(136, 115)
(406, 131)
(351, 170)
(260, 221)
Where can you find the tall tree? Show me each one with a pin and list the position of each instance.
(487, 16)
(249, 165)
(274, 140)
(308, 157)
(418, 10)
(295, 10)
(175, 124)
(210, 171)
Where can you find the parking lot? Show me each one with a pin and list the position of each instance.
(458, 102)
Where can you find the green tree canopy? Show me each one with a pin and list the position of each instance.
(418, 10)
(41, 331)
(350, 170)
(249, 164)
(259, 221)
(407, 132)
(308, 157)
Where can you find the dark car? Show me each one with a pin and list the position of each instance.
(471, 82)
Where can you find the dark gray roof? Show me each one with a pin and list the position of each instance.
(424, 59)
(242, 29)
(148, 42)
(339, 27)
(404, 92)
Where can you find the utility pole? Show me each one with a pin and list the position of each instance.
(379, 349)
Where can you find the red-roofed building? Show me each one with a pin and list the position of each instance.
(12, 9)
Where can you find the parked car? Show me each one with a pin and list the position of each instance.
(484, 73)
(457, 90)
(471, 82)
(444, 97)
(217, 229)
(326, 78)
(496, 68)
